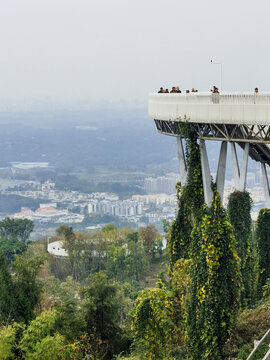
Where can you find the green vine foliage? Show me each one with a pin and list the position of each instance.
(193, 192)
(159, 315)
(239, 208)
(190, 197)
(215, 283)
(153, 323)
(263, 238)
(205, 236)
(179, 234)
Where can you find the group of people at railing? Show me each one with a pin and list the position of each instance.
(175, 89)
(214, 91)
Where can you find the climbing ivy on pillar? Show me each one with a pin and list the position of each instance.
(239, 208)
(263, 239)
(215, 283)
(179, 235)
(194, 185)
(189, 196)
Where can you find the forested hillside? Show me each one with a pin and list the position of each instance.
(120, 294)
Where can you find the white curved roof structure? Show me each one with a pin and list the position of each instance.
(223, 108)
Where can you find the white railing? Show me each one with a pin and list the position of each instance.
(258, 344)
(224, 108)
(206, 98)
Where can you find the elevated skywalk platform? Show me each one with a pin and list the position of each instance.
(242, 118)
(212, 108)
(237, 117)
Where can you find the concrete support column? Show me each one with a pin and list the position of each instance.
(243, 174)
(235, 165)
(240, 177)
(220, 178)
(182, 160)
(206, 175)
(265, 185)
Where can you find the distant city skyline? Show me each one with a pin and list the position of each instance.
(116, 52)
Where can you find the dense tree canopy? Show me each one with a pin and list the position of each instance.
(103, 308)
(11, 247)
(19, 229)
(20, 290)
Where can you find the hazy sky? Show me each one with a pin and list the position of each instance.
(119, 50)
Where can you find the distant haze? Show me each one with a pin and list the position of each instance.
(117, 51)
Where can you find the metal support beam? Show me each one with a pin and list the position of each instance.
(257, 136)
(265, 185)
(182, 161)
(220, 178)
(240, 177)
(208, 193)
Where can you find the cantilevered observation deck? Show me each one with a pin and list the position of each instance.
(242, 118)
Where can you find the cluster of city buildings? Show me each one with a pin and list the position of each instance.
(47, 213)
(71, 207)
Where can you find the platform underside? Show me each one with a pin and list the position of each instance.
(258, 136)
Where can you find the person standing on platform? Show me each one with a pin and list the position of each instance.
(256, 92)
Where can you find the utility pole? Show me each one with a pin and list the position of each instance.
(218, 63)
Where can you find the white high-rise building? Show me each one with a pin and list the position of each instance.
(161, 184)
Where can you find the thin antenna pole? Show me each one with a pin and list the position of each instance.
(218, 63)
